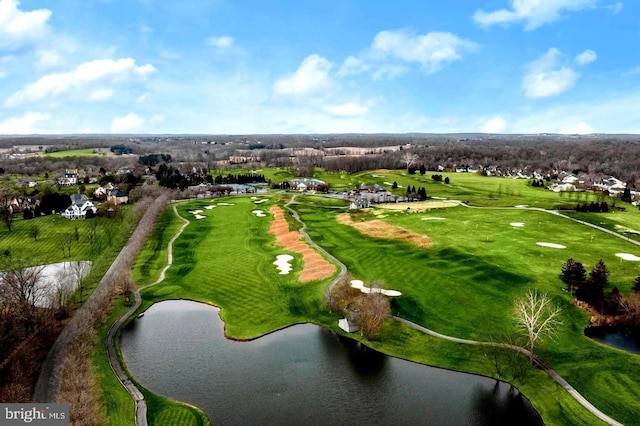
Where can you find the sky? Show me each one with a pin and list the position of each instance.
(319, 66)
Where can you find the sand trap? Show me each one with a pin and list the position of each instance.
(433, 218)
(283, 263)
(254, 198)
(628, 256)
(418, 206)
(381, 229)
(517, 224)
(552, 245)
(199, 216)
(378, 176)
(359, 284)
(258, 213)
(225, 204)
(438, 198)
(210, 207)
(522, 206)
(196, 211)
(314, 266)
(259, 201)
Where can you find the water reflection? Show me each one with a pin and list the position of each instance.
(301, 375)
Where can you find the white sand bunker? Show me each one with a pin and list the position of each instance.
(259, 201)
(628, 256)
(225, 204)
(552, 245)
(254, 198)
(283, 263)
(522, 206)
(210, 207)
(199, 216)
(258, 213)
(517, 224)
(359, 284)
(433, 218)
(195, 211)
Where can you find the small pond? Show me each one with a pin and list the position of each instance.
(303, 375)
(615, 338)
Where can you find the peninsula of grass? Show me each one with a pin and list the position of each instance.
(464, 286)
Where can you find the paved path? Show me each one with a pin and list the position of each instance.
(138, 397)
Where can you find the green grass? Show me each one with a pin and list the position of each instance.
(464, 285)
(74, 153)
(153, 256)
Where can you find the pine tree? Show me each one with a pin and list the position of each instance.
(636, 284)
(573, 275)
(592, 291)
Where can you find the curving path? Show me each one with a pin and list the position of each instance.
(138, 397)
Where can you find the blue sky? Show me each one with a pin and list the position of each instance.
(319, 66)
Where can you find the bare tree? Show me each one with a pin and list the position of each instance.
(409, 158)
(20, 288)
(536, 317)
(370, 310)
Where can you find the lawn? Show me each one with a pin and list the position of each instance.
(87, 152)
(464, 285)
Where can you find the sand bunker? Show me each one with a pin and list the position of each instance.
(210, 207)
(314, 266)
(199, 216)
(517, 224)
(260, 201)
(380, 229)
(433, 218)
(359, 284)
(225, 204)
(283, 263)
(628, 256)
(258, 213)
(522, 206)
(552, 245)
(196, 211)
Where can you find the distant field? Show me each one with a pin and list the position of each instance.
(87, 152)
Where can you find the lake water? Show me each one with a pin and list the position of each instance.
(303, 375)
(615, 338)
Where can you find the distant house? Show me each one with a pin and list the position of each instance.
(360, 203)
(27, 182)
(303, 184)
(118, 197)
(80, 208)
(69, 178)
(373, 188)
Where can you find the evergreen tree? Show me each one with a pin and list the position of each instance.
(423, 170)
(636, 284)
(395, 185)
(447, 180)
(592, 291)
(573, 275)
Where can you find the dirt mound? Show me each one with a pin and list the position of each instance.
(314, 266)
(381, 229)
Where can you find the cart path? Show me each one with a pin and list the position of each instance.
(118, 370)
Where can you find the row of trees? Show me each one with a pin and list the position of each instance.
(590, 289)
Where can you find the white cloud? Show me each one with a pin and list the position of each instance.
(353, 65)
(142, 98)
(586, 57)
(432, 50)
(129, 123)
(18, 28)
(101, 94)
(615, 8)
(26, 124)
(49, 59)
(495, 125)
(80, 81)
(349, 109)
(311, 76)
(222, 42)
(546, 77)
(533, 13)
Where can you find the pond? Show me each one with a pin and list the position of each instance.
(614, 337)
(302, 375)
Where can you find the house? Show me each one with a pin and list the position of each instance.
(69, 178)
(360, 203)
(103, 191)
(302, 184)
(27, 182)
(80, 208)
(349, 325)
(118, 197)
